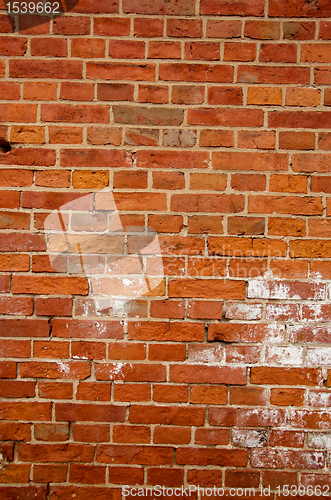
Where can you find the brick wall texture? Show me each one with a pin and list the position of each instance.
(165, 234)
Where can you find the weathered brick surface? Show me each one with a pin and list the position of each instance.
(179, 331)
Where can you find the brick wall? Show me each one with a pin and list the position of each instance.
(165, 247)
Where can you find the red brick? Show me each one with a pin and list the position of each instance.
(166, 223)
(208, 394)
(142, 455)
(207, 51)
(250, 417)
(262, 30)
(290, 205)
(229, 246)
(130, 372)
(91, 433)
(131, 434)
(187, 94)
(207, 203)
(293, 439)
(246, 225)
(13, 46)
(24, 328)
(49, 47)
(296, 30)
(242, 479)
(225, 95)
(282, 8)
(25, 411)
(206, 374)
(55, 452)
(50, 349)
(224, 29)
(166, 415)
(242, 354)
(126, 49)
(47, 473)
(22, 306)
(205, 309)
(288, 183)
(216, 138)
(272, 74)
(165, 477)
(50, 285)
(152, 93)
(172, 159)
(148, 27)
(55, 390)
(53, 307)
(277, 478)
(8, 369)
(271, 52)
(9, 90)
(230, 332)
(76, 92)
(287, 397)
(88, 47)
(324, 31)
(170, 393)
(184, 28)
(167, 352)
(132, 392)
(248, 182)
(286, 376)
(195, 72)
(225, 117)
(16, 177)
(172, 435)
(15, 348)
(254, 396)
(84, 492)
(130, 179)
(89, 412)
(11, 431)
(74, 113)
(87, 329)
(127, 350)
(15, 473)
(173, 7)
(17, 389)
(226, 8)
(112, 26)
(212, 436)
(278, 458)
(164, 50)
(87, 474)
(219, 457)
(167, 309)
(91, 391)
(239, 51)
(96, 7)
(71, 25)
(120, 71)
(51, 432)
(67, 369)
(65, 135)
(45, 69)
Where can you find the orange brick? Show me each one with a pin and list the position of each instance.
(267, 96)
(309, 97)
